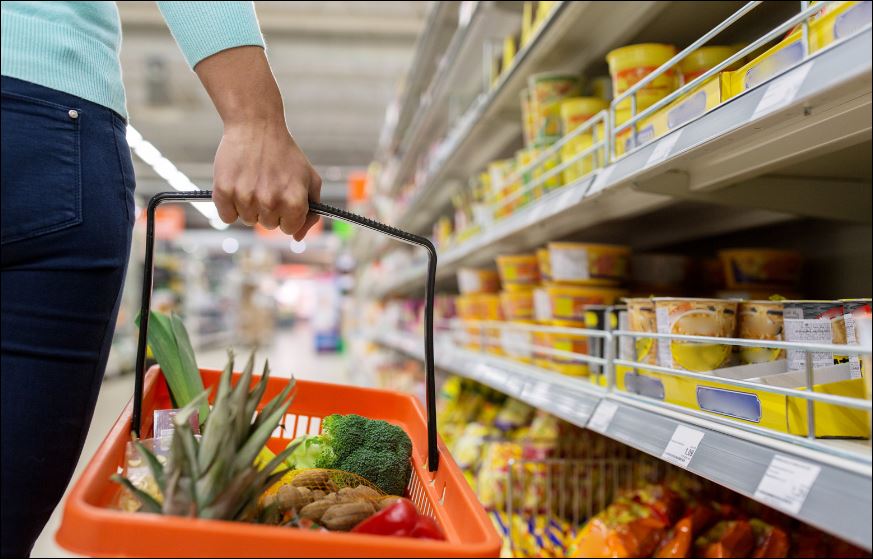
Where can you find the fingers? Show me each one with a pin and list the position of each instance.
(314, 192)
(294, 207)
(224, 204)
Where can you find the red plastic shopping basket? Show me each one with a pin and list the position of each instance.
(91, 526)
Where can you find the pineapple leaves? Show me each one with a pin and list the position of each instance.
(147, 501)
(155, 467)
(215, 475)
(172, 348)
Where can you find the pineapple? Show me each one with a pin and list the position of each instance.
(216, 476)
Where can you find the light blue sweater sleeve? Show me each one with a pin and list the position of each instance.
(204, 28)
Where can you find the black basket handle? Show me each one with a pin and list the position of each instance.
(321, 209)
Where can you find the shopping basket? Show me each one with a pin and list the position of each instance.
(92, 526)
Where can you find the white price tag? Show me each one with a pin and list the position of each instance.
(600, 181)
(602, 416)
(781, 91)
(786, 483)
(663, 147)
(682, 446)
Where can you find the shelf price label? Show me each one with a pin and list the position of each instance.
(663, 147)
(682, 446)
(781, 91)
(786, 483)
(602, 416)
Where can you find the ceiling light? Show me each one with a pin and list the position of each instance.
(176, 178)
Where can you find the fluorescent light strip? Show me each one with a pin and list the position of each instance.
(166, 170)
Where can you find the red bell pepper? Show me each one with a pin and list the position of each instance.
(427, 529)
(397, 519)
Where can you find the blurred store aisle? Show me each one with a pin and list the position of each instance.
(292, 351)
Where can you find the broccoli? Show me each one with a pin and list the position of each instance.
(370, 448)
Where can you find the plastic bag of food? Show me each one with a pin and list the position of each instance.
(770, 541)
(728, 538)
(679, 541)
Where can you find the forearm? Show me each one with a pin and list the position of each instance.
(242, 87)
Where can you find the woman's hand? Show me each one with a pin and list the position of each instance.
(260, 174)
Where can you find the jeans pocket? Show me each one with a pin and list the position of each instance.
(41, 167)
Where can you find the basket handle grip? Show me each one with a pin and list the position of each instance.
(320, 209)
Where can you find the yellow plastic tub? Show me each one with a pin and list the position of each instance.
(568, 302)
(518, 271)
(518, 305)
(761, 268)
(630, 64)
(760, 320)
(567, 342)
(641, 318)
(545, 264)
(589, 263)
(694, 317)
(476, 280)
(574, 112)
(516, 342)
(527, 117)
(527, 156)
(547, 90)
(704, 59)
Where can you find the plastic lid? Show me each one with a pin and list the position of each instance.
(705, 58)
(641, 55)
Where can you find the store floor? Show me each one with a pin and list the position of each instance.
(291, 351)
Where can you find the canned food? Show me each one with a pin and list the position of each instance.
(694, 317)
(760, 320)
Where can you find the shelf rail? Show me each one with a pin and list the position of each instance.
(603, 354)
(634, 142)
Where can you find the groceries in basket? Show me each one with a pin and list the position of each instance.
(351, 477)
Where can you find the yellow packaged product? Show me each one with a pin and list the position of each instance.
(760, 320)
(527, 118)
(544, 263)
(589, 263)
(517, 305)
(573, 343)
(527, 23)
(632, 63)
(491, 480)
(761, 268)
(478, 280)
(694, 317)
(641, 318)
(509, 50)
(574, 112)
(517, 341)
(838, 21)
(518, 271)
(569, 302)
(704, 59)
(547, 90)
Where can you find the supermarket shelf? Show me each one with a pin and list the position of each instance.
(808, 157)
(459, 76)
(570, 38)
(441, 22)
(732, 457)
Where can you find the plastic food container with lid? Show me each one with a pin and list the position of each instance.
(641, 318)
(761, 268)
(474, 280)
(630, 64)
(694, 317)
(704, 59)
(760, 320)
(547, 90)
(589, 263)
(518, 271)
(518, 305)
(574, 112)
(568, 302)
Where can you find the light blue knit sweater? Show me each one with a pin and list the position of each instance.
(73, 46)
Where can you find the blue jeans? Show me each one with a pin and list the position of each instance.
(67, 217)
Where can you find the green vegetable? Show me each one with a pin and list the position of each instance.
(172, 348)
(371, 448)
